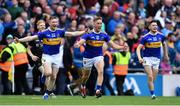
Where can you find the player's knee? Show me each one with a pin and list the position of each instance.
(47, 73)
(53, 77)
(150, 78)
(100, 72)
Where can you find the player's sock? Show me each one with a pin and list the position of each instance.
(152, 92)
(48, 92)
(98, 87)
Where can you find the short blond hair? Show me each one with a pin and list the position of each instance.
(97, 18)
(40, 21)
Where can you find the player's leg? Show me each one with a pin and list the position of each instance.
(75, 83)
(99, 64)
(155, 71)
(85, 76)
(148, 61)
(86, 71)
(149, 73)
(48, 73)
(52, 81)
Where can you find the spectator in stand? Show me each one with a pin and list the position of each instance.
(152, 7)
(141, 10)
(119, 33)
(168, 28)
(168, 7)
(131, 21)
(114, 21)
(104, 13)
(15, 10)
(165, 67)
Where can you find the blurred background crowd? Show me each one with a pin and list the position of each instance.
(123, 20)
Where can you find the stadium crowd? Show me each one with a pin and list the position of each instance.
(124, 20)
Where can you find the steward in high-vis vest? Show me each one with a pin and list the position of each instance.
(20, 54)
(21, 67)
(120, 62)
(6, 65)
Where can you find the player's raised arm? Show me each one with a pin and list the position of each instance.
(115, 46)
(76, 33)
(27, 38)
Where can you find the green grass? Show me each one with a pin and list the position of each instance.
(90, 100)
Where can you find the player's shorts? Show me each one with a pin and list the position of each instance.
(152, 62)
(56, 60)
(89, 62)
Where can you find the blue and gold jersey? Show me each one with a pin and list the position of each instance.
(94, 43)
(51, 40)
(152, 44)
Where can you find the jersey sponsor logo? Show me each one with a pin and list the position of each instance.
(52, 41)
(95, 43)
(153, 44)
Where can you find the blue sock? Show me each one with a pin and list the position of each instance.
(152, 92)
(48, 92)
(98, 87)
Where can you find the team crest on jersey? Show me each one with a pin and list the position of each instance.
(154, 39)
(53, 35)
(97, 37)
(92, 37)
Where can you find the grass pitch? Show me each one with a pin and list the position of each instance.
(89, 100)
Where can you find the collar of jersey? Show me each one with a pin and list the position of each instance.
(153, 34)
(52, 30)
(96, 32)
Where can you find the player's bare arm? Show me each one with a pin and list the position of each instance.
(115, 46)
(79, 43)
(76, 33)
(27, 38)
(138, 51)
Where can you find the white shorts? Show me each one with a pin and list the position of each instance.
(89, 62)
(152, 62)
(56, 60)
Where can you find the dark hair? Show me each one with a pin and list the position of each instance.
(153, 21)
(53, 17)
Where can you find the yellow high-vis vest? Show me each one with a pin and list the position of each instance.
(121, 65)
(6, 66)
(20, 55)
